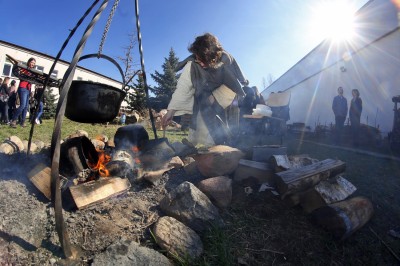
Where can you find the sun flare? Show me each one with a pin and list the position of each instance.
(334, 20)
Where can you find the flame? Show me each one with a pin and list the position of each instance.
(101, 164)
(135, 150)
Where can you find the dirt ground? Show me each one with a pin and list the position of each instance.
(27, 228)
(261, 229)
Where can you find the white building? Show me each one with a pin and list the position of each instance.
(370, 62)
(44, 63)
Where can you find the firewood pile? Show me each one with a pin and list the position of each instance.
(94, 171)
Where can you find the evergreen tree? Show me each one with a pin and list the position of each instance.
(166, 82)
(136, 96)
(49, 104)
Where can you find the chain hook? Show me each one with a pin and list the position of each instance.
(107, 27)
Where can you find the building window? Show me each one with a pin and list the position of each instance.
(40, 68)
(7, 70)
(54, 74)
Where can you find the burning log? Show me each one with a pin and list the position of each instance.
(345, 217)
(124, 163)
(77, 154)
(300, 179)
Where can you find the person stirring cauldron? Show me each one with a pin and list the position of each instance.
(208, 88)
(23, 93)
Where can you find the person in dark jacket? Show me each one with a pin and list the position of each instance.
(12, 101)
(4, 92)
(355, 115)
(339, 107)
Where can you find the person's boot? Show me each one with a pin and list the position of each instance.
(13, 124)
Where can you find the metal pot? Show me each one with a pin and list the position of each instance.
(93, 102)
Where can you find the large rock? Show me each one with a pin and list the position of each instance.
(40, 144)
(78, 133)
(176, 238)
(218, 189)
(128, 252)
(192, 207)
(33, 147)
(12, 145)
(218, 160)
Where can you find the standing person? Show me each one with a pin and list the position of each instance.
(123, 118)
(12, 101)
(4, 94)
(208, 88)
(355, 115)
(339, 107)
(24, 89)
(40, 106)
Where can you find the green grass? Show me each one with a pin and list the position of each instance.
(44, 131)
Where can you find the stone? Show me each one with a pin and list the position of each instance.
(7, 148)
(177, 239)
(190, 167)
(78, 133)
(128, 252)
(40, 144)
(218, 160)
(218, 189)
(17, 141)
(176, 162)
(189, 205)
(33, 148)
(98, 144)
(249, 169)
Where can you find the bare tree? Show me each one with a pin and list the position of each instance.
(130, 69)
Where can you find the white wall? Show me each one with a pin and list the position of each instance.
(373, 68)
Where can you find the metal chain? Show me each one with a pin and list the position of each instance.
(103, 38)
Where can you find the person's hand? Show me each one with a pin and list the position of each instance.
(167, 118)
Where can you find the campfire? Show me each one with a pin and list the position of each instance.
(91, 174)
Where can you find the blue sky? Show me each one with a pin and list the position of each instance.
(267, 37)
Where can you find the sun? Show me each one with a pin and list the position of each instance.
(333, 20)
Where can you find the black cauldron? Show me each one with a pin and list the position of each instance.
(93, 102)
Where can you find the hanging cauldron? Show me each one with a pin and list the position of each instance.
(93, 102)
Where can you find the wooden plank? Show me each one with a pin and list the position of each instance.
(343, 218)
(303, 178)
(40, 176)
(90, 193)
